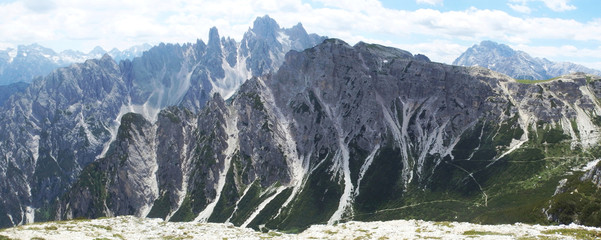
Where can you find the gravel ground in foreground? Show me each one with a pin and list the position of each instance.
(128, 227)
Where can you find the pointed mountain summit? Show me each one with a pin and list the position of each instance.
(214, 41)
(97, 51)
(267, 38)
(517, 64)
(266, 27)
(72, 118)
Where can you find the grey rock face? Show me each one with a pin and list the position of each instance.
(593, 175)
(266, 38)
(339, 132)
(327, 134)
(8, 90)
(70, 119)
(55, 128)
(516, 64)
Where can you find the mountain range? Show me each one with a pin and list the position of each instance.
(62, 123)
(26, 62)
(516, 64)
(285, 129)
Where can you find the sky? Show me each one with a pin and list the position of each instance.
(559, 30)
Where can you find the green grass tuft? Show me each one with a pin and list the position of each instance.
(526, 81)
(108, 228)
(482, 233)
(51, 228)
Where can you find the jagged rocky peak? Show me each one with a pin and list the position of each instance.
(64, 122)
(297, 32)
(266, 27)
(106, 59)
(220, 67)
(214, 41)
(516, 64)
(267, 38)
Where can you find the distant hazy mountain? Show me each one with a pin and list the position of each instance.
(129, 53)
(517, 64)
(29, 61)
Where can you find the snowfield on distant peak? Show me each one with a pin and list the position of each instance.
(128, 227)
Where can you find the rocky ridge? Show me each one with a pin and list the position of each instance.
(342, 132)
(65, 121)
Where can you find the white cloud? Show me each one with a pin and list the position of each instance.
(437, 50)
(555, 5)
(520, 8)
(431, 2)
(585, 56)
(559, 5)
(593, 65)
(355, 6)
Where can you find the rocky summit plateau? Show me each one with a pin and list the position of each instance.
(285, 130)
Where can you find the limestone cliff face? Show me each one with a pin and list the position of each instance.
(7, 91)
(593, 175)
(53, 130)
(69, 119)
(359, 132)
